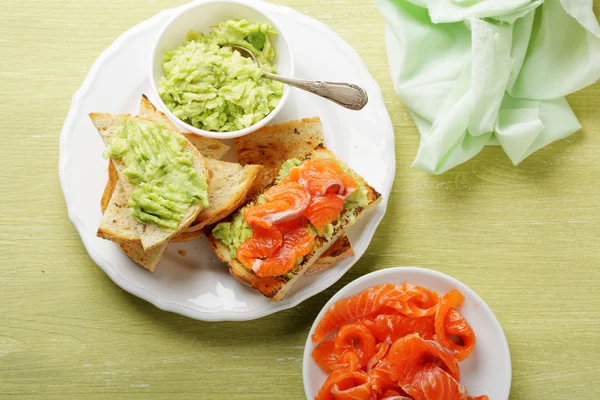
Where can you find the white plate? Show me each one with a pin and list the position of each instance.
(488, 369)
(198, 285)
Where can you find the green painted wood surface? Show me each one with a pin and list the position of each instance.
(526, 239)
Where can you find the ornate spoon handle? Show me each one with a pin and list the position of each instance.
(347, 95)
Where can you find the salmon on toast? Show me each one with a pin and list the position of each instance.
(277, 236)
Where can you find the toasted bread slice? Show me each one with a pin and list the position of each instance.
(338, 251)
(147, 259)
(210, 148)
(276, 287)
(271, 146)
(111, 184)
(229, 186)
(152, 236)
(118, 225)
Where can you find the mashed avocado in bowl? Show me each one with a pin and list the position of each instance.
(211, 87)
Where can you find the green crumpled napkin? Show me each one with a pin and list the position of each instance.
(489, 72)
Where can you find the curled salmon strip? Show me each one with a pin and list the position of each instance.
(409, 355)
(322, 176)
(284, 202)
(295, 244)
(358, 338)
(381, 379)
(416, 302)
(391, 327)
(381, 351)
(323, 210)
(363, 304)
(345, 384)
(326, 357)
(433, 383)
(449, 324)
(262, 244)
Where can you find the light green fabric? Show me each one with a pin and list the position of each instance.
(488, 72)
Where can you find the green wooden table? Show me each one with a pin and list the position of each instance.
(526, 239)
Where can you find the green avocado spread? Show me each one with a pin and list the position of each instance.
(167, 183)
(233, 233)
(214, 88)
(237, 231)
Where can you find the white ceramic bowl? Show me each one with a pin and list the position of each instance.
(199, 16)
(488, 369)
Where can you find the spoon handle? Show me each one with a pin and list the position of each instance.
(347, 95)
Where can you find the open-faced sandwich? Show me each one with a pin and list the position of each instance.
(163, 185)
(272, 146)
(283, 231)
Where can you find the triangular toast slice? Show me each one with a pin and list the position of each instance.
(151, 235)
(118, 225)
(276, 287)
(228, 189)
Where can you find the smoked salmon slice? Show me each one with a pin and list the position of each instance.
(321, 176)
(433, 383)
(381, 351)
(416, 302)
(357, 338)
(262, 244)
(411, 353)
(381, 378)
(327, 358)
(410, 300)
(323, 210)
(451, 324)
(345, 384)
(391, 327)
(295, 244)
(364, 304)
(283, 202)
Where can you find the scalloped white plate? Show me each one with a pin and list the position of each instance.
(197, 285)
(488, 370)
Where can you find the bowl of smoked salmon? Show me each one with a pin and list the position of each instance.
(406, 333)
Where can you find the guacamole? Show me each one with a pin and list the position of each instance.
(214, 88)
(167, 183)
(236, 232)
(233, 233)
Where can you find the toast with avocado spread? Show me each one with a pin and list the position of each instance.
(228, 187)
(230, 239)
(271, 146)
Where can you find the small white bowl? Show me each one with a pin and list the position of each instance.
(200, 16)
(488, 369)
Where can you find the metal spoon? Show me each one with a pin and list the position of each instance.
(346, 95)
